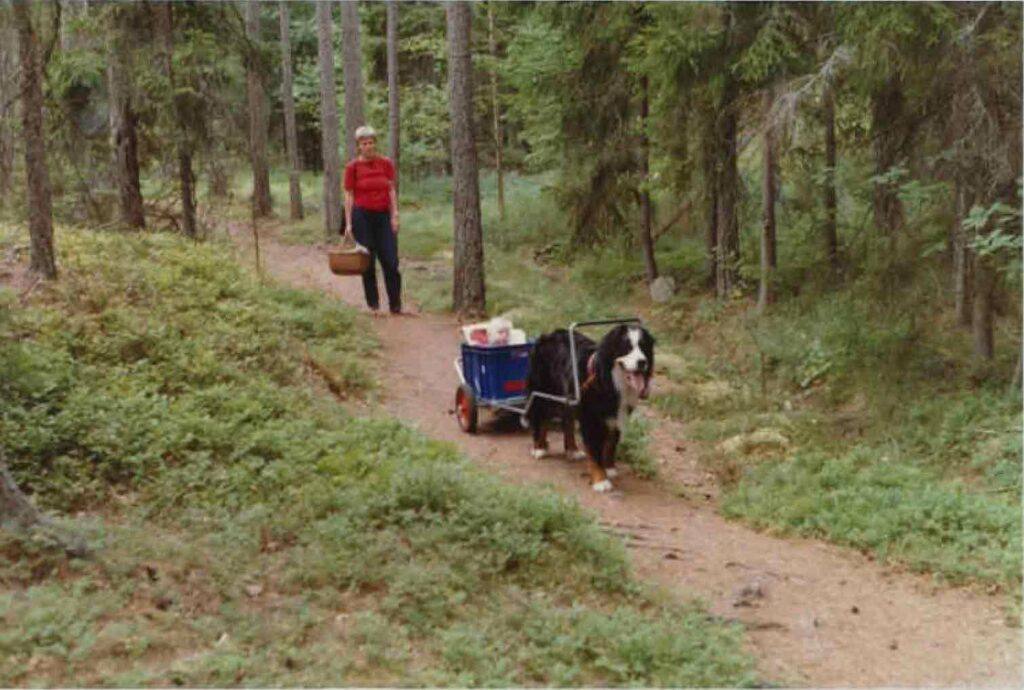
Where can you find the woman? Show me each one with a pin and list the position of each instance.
(371, 213)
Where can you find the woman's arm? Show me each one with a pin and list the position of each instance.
(348, 214)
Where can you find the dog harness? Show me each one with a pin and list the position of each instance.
(591, 373)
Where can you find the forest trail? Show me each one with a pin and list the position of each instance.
(816, 614)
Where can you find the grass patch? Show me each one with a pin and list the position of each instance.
(251, 531)
(891, 508)
(837, 375)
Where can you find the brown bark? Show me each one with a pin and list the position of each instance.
(329, 122)
(646, 208)
(218, 178)
(352, 67)
(710, 165)
(258, 117)
(961, 260)
(123, 124)
(37, 172)
(831, 227)
(468, 297)
(983, 302)
(165, 20)
(8, 76)
(288, 103)
(394, 113)
(492, 44)
(887, 133)
(769, 263)
(727, 248)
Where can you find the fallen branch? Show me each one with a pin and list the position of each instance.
(18, 515)
(680, 212)
(334, 385)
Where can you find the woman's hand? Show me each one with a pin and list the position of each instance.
(394, 222)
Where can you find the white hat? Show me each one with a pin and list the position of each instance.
(365, 131)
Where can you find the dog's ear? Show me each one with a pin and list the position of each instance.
(647, 345)
(607, 351)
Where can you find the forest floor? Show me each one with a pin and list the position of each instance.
(816, 614)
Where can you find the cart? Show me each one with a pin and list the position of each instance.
(495, 377)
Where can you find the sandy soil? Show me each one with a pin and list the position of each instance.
(816, 614)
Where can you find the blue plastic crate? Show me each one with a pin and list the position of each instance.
(496, 373)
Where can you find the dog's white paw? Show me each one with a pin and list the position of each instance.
(578, 455)
(602, 487)
(539, 453)
(611, 472)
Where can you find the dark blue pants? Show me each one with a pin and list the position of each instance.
(373, 230)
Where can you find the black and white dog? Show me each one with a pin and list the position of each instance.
(614, 376)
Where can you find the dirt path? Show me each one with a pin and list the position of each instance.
(817, 615)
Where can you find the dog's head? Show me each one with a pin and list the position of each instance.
(626, 358)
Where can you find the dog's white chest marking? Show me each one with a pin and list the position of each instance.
(629, 397)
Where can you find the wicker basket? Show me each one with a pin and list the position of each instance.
(348, 262)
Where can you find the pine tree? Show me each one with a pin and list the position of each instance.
(352, 66)
(258, 115)
(123, 119)
(468, 297)
(329, 122)
(37, 171)
(288, 103)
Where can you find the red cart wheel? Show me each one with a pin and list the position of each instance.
(465, 409)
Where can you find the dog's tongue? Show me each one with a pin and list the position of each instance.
(636, 381)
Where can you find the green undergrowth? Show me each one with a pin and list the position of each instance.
(877, 436)
(860, 383)
(249, 529)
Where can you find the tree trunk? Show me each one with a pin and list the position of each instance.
(258, 117)
(468, 298)
(886, 131)
(984, 289)
(394, 113)
(646, 209)
(710, 170)
(769, 263)
(123, 123)
(831, 227)
(492, 44)
(8, 74)
(37, 172)
(352, 66)
(329, 122)
(185, 178)
(728, 249)
(961, 260)
(218, 177)
(288, 103)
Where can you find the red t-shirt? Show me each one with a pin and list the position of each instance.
(370, 182)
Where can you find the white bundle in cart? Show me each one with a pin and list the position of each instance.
(494, 333)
